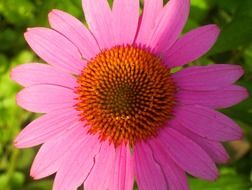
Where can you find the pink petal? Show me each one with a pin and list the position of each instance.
(55, 49)
(149, 174)
(46, 127)
(175, 176)
(209, 77)
(102, 170)
(208, 123)
(123, 175)
(148, 23)
(46, 98)
(188, 155)
(78, 164)
(214, 149)
(192, 45)
(113, 169)
(170, 23)
(35, 73)
(50, 156)
(99, 16)
(75, 31)
(221, 98)
(125, 19)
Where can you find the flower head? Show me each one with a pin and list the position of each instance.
(113, 110)
(125, 94)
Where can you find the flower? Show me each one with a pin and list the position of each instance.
(114, 110)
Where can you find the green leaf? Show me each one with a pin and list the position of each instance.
(12, 182)
(4, 181)
(225, 182)
(17, 180)
(39, 185)
(237, 33)
(17, 12)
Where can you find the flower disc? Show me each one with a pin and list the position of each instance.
(125, 94)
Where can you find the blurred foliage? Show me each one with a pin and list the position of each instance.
(234, 46)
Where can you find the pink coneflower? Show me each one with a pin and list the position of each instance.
(113, 110)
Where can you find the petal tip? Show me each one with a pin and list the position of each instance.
(12, 74)
(240, 134)
(225, 160)
(34, 176)
(27, 34)
(239, 69)
(29, 29)
(34, 173)
(242, 71)
(215, 177)
(19, 99)
(215, 29)
(54, 12)
(51, 13)
(17, 143)
(246, 93)
(215, 26)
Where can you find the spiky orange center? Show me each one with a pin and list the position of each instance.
(125, 94)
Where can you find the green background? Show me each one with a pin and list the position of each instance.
(234, 46)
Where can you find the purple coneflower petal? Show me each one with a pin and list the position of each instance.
(46, 127)
(76, 167)
(34, 73)
(208, 123)
(125, 27)
(148, 21)
(170, 23)
(188, 155)
(211, 77)
(50, 155)
(192, 45)
(99, 16)
(46, 98)
(213, 148)
(175, 176)
(75, 31)
(221, 98)
(146, 166)
(110, 169)
(55, 49)
(102, 169)
(123, 175)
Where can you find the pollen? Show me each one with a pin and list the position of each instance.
(125, 94)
